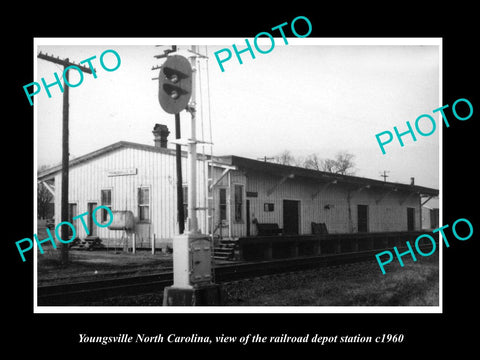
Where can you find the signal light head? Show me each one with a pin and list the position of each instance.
(175, 84)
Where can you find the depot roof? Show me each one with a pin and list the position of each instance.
(47, 173)
(245, 164)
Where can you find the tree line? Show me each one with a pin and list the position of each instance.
(342, 163)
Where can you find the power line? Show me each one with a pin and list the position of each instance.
(63, 62)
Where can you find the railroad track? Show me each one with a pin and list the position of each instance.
(81, 293)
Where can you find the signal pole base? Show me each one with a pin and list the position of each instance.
(205, 295)
(192, 273)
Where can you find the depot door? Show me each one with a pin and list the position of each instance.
(92, 228)
(247, 216)
(410, 219)
(291, 217)
(362, 214)
(72, 212)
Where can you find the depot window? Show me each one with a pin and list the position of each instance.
(223, 204)
(106, 200)
(238, 203)
(144, 204)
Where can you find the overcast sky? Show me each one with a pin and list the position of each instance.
(302, 97)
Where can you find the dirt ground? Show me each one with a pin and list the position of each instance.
(91, 265)
(87, 265)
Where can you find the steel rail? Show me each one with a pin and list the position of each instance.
(81, 293)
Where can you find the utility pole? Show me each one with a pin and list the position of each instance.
(65, 154)
(384, 175)
(265, 158)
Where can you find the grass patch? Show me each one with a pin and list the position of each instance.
(360, 284)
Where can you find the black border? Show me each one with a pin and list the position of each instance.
(423, 332)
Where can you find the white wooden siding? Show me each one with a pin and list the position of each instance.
(387, 215)
(155, 170)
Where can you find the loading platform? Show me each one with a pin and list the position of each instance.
(291, 246)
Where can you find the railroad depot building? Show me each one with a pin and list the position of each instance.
(234, 195)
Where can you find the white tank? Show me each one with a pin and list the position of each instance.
(122, 220)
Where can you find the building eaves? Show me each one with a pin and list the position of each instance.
(321, 176)
(249, 164)
(45, 174)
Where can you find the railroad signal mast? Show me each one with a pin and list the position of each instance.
(192, 251)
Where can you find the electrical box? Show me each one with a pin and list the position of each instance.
(192, 262)
(200, 257)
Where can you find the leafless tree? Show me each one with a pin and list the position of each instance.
(313, 162)
(329, 165)
(284, 158)
(342, 163)
(43, 200)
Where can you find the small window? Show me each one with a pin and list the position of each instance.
(268, 207)
(144, 204)
(106, 200)
(238, 202)
(223, 204)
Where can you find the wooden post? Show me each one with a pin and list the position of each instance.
(356, 244)
(338, 246)
(317, 249)
(294, 248)
(268, 252)
(153, 244)
(133, 243)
